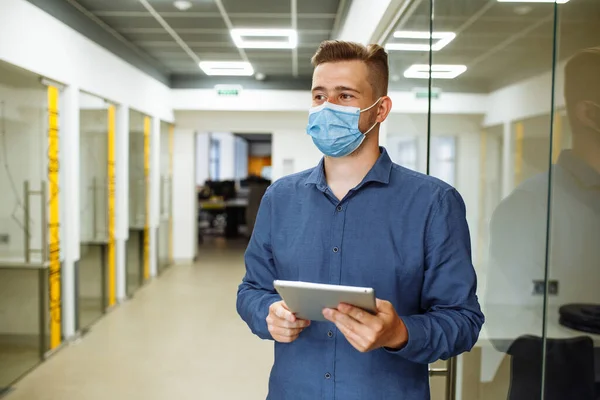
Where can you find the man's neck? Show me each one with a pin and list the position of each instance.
(349, 171)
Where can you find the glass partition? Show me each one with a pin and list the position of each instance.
(164, 229)
(24, 310)
(93, 145)
(23, 146)
(572, 317)
(138, 134)
(506, 95)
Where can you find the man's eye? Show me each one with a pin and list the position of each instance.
(346, 96)
(319, 97)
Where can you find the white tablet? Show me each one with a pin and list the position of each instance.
(307, 300)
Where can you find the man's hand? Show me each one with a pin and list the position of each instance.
(366, 331)
(283, 324)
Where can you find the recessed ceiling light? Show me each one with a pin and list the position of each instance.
(260, 76)
(240, 38)
(438, 71)
(182, 5)
(534, 1)
(227, 68)
(441, 40)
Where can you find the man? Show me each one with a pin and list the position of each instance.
(358, 219)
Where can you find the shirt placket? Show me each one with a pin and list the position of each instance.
(335, 268)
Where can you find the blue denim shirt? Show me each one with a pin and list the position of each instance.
(400, 232)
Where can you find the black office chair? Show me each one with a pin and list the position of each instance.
(569, 369)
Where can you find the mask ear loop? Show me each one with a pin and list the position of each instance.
(367, 109)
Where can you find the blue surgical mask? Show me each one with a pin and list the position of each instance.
(334, 128)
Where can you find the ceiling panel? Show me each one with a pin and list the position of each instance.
(119, 23)
(255, 22)
(197, 6)
(246, 6)
(210, 23)
(204, 31)
(318, 6)
(112, 5)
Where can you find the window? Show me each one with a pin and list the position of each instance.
(407, 153)
(214, 159)
(443, 158)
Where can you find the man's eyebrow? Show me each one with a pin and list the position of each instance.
(337, 89)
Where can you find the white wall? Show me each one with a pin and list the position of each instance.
(185, 200)
(34, 40)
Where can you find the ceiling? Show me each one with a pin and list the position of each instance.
(204, 29)
(500, 43)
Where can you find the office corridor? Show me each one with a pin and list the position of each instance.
(178, 338)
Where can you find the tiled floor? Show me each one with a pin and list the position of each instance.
(178, 338)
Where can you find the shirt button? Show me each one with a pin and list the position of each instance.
(330, 334)
(335, 249)
(339, 208)
(327, 375)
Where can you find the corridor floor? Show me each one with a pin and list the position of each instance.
(179, 338)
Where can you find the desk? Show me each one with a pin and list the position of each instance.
(234, 209)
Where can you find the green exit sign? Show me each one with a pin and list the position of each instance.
(423, 93)
(228, 90)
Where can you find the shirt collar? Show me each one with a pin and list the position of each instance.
(579, 169)
(380, 172)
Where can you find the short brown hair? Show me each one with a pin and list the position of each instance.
(373, 55)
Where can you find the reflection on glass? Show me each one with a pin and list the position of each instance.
(91, 274)
(23, 145)
(134, 262)
(137, 202)
(20, 332)
(93, 145)
(164, 230)
(93, 195)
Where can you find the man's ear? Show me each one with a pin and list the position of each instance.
(385, 106)
(587, 115)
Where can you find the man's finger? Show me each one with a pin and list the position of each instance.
(356, 313)
(353, 338)
(383, 306)
(351, 324)
(282, 313)
(282, 323)
(285, 332)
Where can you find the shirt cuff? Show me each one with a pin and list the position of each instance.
(417, 337)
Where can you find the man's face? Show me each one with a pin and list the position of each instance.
(345, 83)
